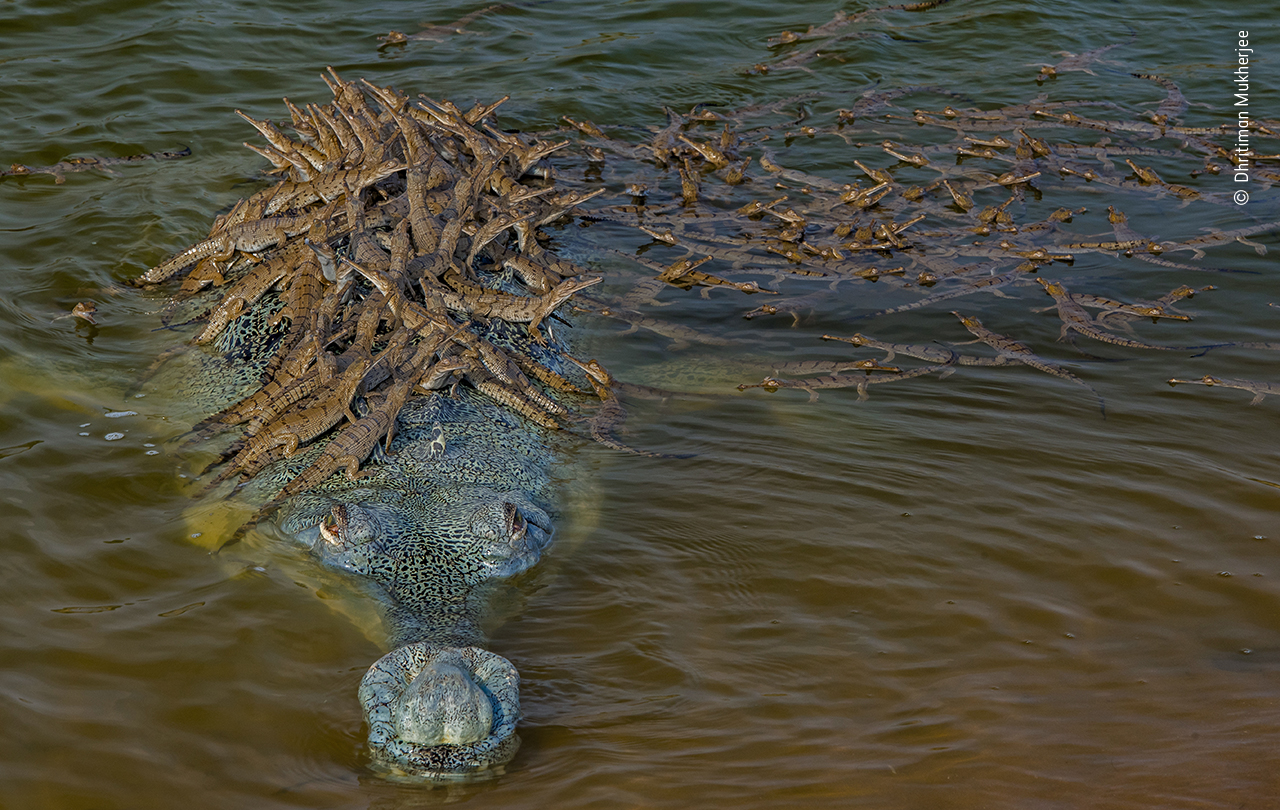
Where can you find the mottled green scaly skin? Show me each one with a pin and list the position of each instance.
(429, 529)
(429, 526)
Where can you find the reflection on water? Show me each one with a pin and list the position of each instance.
(971, 591)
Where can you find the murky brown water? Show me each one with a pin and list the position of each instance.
(968, 592)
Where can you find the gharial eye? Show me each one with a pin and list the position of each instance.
(516, 525)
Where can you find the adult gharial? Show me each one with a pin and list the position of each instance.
(384, 310)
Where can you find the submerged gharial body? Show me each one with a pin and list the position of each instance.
(375, 351)
(433, 528)
(460, 504)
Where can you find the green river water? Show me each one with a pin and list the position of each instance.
(972, 592)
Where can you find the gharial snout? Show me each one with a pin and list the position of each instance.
(443, 704)
(441, 712)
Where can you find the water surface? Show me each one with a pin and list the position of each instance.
(968, 592)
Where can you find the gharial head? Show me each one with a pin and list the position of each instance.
(430, 530)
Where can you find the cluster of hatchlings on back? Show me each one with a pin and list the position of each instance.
(401, 228)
